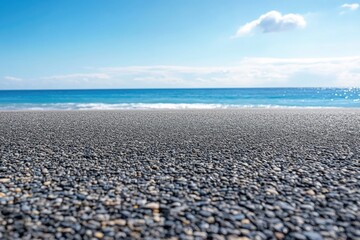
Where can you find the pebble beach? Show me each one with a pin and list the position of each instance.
(180, 174)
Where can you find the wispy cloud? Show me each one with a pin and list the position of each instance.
(347, 7)
(273, 21)
(350, 6)
(11, 78)
(84, 76)
(249, 72)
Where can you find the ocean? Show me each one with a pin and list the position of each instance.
(179, 98)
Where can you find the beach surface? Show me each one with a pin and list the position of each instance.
(180, 174)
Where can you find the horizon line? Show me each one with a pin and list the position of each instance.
(185, 88)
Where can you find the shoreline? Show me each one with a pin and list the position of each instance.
(187, 109)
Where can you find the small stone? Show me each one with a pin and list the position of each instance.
(188, 231)
(217, 237)
(270, 214)
(205, 213)
(99, 235)
(185, 221)
(141, 202)
(4, 180)
(239, 217)
(279, 235)
(285, 206)
(297, 220)
(134, 224)
(297, 236)
(279, 227)
(320, 221)
(238, 238)
(157, 218)
(210, 220)
(2, 195)
(307, 207)
(244, 231)
(245, 221)
(64, 230)
(321, 196)
(313, 235)
(25, 208)
(51, 196)
(120, 222)
(152, 205)
(310, 192)
(88, 232)
(271, 191)
(35, 212)
(200, 234)
(47, 183)
(324, 190)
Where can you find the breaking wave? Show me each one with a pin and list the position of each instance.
(137, 106)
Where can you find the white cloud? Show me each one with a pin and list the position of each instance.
(273, 21)
(11, 78)
(249, 72)
(78, 76)
(350, 6)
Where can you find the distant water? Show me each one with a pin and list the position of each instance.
(179, 98)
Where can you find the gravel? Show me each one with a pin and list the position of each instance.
(182, 174)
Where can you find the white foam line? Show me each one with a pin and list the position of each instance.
(141, 106)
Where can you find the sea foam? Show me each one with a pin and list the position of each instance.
(138, 106)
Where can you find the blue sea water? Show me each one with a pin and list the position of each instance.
(179, 98)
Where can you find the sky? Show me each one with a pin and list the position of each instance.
(75, 44)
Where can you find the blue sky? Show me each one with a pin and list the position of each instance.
(180, 43)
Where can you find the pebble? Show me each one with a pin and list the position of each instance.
(271, 191)
(245, 221)
(4, 180)
(297, 236)
(98, 235)
(279, 235)
(310, 192)
(313, 235)
(120, 222)
(152, 205)
(210, 220)
(47, 183)
(238, 238)
(285, 206)
(200, 234)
